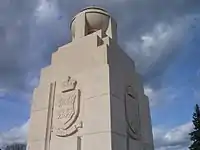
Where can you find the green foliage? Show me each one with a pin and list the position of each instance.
(195, 134)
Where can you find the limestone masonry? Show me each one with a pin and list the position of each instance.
(90, 97)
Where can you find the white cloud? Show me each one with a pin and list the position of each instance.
(15, 135)
(161, 95)
(173, 148)
(156, 45)
(32, 80)
(151, 47)
(102, 2)
(2, 93)
(46, 11)
(172, 139)
(164, 139)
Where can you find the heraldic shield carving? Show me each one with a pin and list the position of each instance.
(67, 109)
(131, 113)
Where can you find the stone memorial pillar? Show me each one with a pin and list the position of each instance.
(90, 97)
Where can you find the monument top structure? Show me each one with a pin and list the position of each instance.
(90, 20)
(90, 97)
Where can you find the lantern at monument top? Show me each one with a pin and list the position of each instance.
(92, 19)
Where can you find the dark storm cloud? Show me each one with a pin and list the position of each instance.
(14, 35)
(30, 30)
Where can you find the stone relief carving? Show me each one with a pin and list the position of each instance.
(67, 109)
(133, 118)
(68, 85)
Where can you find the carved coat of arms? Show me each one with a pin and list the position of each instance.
(131, 113)
(66, 109)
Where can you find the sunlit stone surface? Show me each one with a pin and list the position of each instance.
(90, 97)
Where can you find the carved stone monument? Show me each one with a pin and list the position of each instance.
(90, 97)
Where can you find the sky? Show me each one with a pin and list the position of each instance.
(162, 37)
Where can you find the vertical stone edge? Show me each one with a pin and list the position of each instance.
(50, 115)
